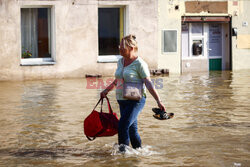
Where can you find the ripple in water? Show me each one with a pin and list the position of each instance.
(129, 151)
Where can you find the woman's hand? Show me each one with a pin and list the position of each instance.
(161, 106)
(154, 93)
(104, 93)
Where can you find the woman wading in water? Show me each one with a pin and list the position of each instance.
(131, 68)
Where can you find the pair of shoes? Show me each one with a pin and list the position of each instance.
(162, 115)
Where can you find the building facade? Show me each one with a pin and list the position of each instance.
(204, 35)
(71, 38)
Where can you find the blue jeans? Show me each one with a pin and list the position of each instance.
(127, 130)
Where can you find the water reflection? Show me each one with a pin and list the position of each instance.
(38, 115)
(41, 123)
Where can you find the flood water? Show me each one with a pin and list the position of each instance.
(41, 123)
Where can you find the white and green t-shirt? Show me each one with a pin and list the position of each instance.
(134, 72)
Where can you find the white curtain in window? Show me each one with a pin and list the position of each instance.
(29, 30)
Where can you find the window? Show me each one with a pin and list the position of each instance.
(196, 39)
(169, 40)
(110, 30)
(36, 38)
(197, 29)
(215, 40)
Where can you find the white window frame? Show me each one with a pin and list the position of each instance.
(113, 58)
(41, 61)
(204, 43)
(191, 47)
(182, 45)
(198, 37)
(162, 41)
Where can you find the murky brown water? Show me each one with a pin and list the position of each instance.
(41, 124)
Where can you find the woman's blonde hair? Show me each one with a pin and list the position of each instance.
(130, 41)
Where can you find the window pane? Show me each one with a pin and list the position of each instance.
(35, 32)
(197, 29)
(197, 47)
(170, 41)
(215, 40)
(110, 30)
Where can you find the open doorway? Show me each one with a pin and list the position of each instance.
(219, 46)
(206, 44)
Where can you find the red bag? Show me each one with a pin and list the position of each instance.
(99, 124)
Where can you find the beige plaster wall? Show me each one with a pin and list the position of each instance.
(170, 19)
(76, 37)
(240, 14)
(193, 65)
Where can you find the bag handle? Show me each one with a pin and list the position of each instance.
(109, 106)
(90, 139)
(93, 138)
(97, 103)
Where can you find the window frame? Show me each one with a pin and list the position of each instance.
(203, 37)
(113, 58)
(197, 37)
(162, 39)
(41, 61)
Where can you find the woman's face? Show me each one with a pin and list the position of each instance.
(125, 52)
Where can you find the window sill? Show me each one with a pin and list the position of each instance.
(169, 53)
(37, 62)
(194, 58)
(108, 59)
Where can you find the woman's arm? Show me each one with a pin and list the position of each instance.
(153, 92)
(109, 88)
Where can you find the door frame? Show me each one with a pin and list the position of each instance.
(226, 33)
